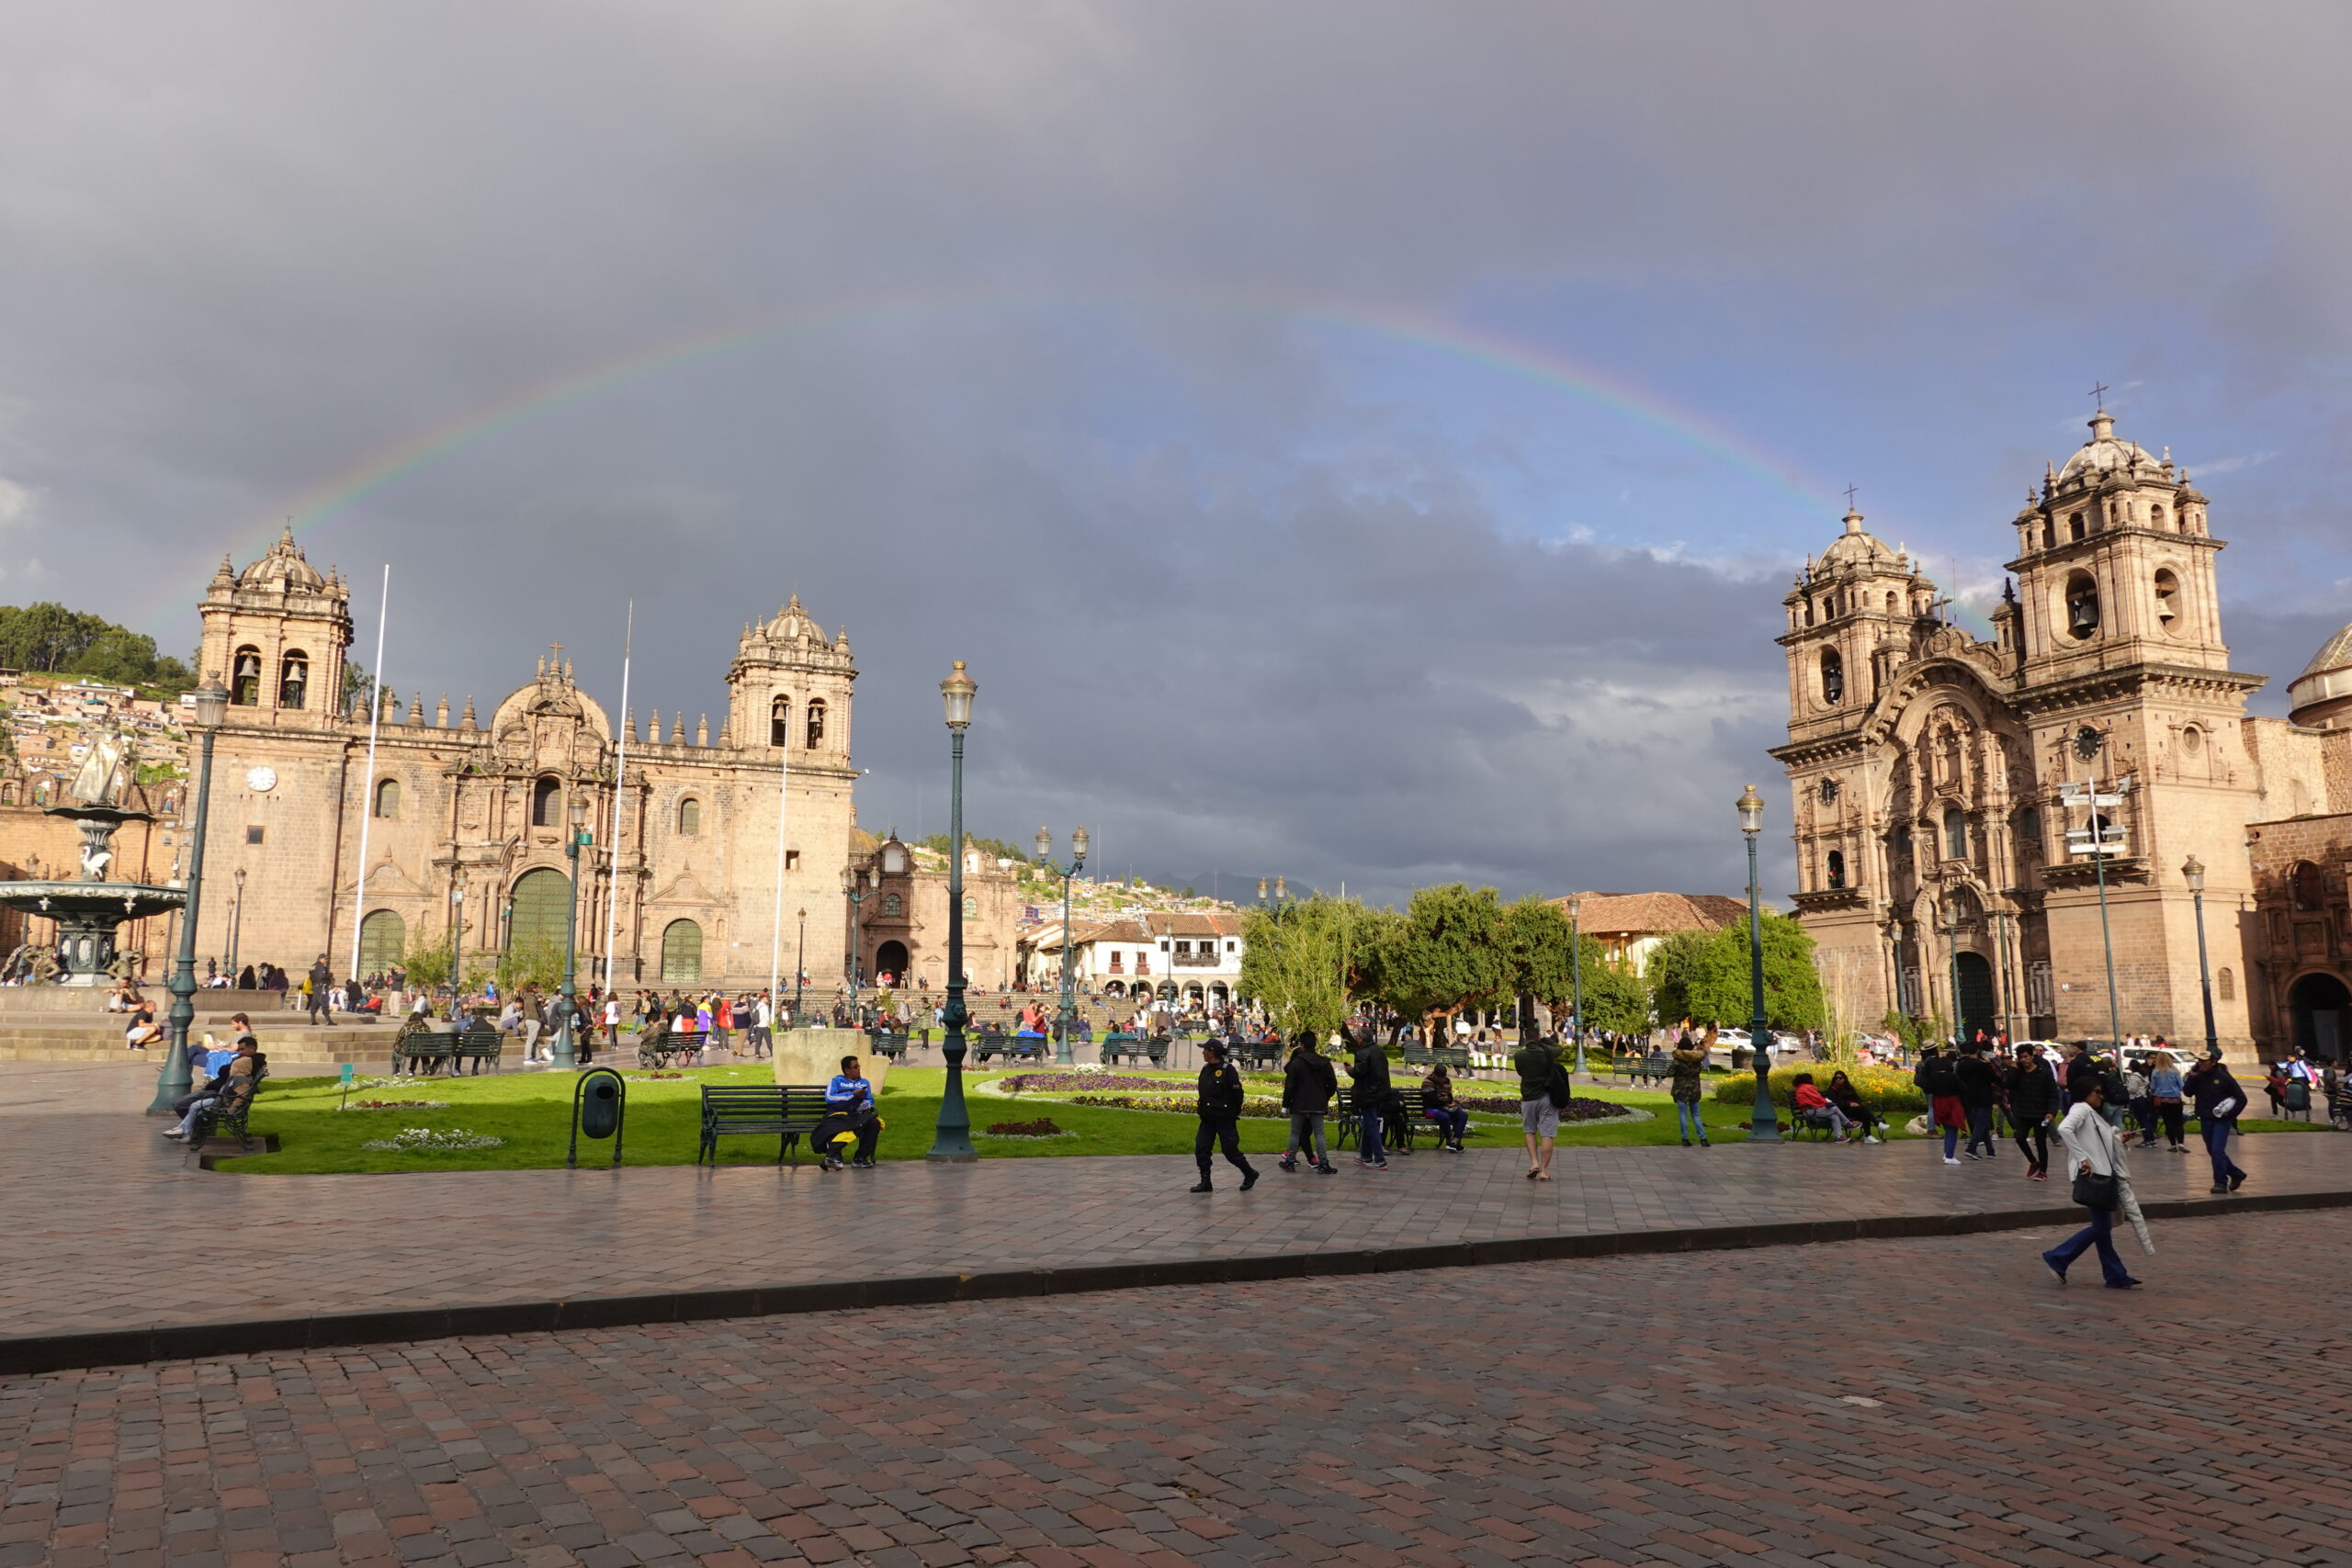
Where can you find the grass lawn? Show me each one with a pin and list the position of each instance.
(531, 1114)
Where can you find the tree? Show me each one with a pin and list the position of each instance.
(426, 963)
(1703, 976)
(48, 636)
(1305, 966)
(1446, 953)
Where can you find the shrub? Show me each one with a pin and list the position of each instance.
(1885, 1089)
(1043, 1127)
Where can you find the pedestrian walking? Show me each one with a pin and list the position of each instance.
(315, 986)
(1977, 1081)
(1368, 1070)
(1688, 1069)
(1309, 1082)
(1542, 1095)
(2033, 1100)
(1220, 1114)
(2220, 1103)
(2094, 1155)
(1938, 1076)
(2164, 1094)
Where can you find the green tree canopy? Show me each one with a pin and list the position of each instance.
(1306, 965)
(48, 636)
(1446, 953)
(1703, 976)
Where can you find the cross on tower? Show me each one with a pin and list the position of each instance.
(1849, 498)
(2098, 395)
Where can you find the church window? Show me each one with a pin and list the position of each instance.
(1808, 612)
(245, 680)
(1898, 844)
(1829, 792)
(2049, 536)
(893, 905)
(2192, 741)
(2306, 888)
(816, 723)
(1833, 676)
(1956, 833)
(1890, 603)
(8, 793)
(256, 834)
(689, 816)
(293, 679)
(2082, 605)
(971, 908)
(388, 799)
(1837, 868)
(547, 797)
(780, 722)
(2075, 526)
(2167, 597)
(2029, 836)
(2157, 515)
(2227, 985)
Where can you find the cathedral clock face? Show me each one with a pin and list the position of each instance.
(261, 781)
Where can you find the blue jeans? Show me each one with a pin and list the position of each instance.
(1686, 1119)
(1452, 1124)
(2099, 1233)
(1980, 1129)
(1368, 1147)
(2217, 1143)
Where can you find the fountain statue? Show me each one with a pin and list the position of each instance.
(88, 912)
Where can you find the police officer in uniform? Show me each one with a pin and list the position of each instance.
(1220, 1111)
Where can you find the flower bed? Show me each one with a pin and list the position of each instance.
(428, 1140)
(1885, 1089)
(1174, 1104)
(1043, 1127)
(397, 1105)
(1074, 1082)
(1580, 1109)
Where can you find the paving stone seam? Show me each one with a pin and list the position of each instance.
(31, 1354)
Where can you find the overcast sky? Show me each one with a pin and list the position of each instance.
(1359, 441)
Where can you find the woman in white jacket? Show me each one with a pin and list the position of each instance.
(2094, 1155)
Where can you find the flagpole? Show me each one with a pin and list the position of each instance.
(368, 796)
(620, 770)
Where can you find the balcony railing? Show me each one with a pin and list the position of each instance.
(1193, 960)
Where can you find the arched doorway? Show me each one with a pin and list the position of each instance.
(383, 942)
(1977, 1007)
(541, 898)
(890, 959)
(2319, 1009)
(681, 953)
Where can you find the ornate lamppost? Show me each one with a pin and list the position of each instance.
(857, 890)
(237, 924)
(2194, 873)
(1952, 925)
(952, 1140)
(1066, 1020)
(799, 968)
(1280, 904)
(211, 708)
(1764, 1122)
(1576, 961)
(568, 1009)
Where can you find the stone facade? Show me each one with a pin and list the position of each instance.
(465, 824)
(901, 927)
(1929, 769)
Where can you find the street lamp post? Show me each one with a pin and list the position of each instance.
(1576, 961)
(799, 968)
(1764, 1124)
(1065, 1021)
(952, 1139)
(1952, 946)
(237, 924)
(211, 707)
(2194, 872)
(855, 889)
(457, 941)
(568, 1009)
(1277, 905)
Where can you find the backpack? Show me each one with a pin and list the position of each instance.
(1556, 1088)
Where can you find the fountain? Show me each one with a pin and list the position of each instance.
(88, 912)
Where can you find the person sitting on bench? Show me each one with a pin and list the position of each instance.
(1438, 1105)
(1813, 1106)
(1848, 1099)
(189, 1106)
(849, 1108)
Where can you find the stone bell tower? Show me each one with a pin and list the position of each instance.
(275, 634)
(790, 685)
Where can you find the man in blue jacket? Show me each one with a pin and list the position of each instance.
(2220, 1101)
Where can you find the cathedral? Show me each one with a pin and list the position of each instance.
(463, 826)
(1946, 788)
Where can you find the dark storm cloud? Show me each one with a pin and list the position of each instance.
(1227, 609)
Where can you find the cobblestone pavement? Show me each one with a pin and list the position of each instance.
(1928, 1402)
(123, 1235)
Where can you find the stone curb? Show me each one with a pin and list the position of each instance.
(31, 1354)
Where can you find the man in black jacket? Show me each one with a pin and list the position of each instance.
(1308, 1085)
(1975, 1075)
(2219, 1102)
(322, 982)
(2033, 1099)
(1220, 1111)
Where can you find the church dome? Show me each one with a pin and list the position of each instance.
(1855, 547)
(792, 623)
(2105, 453)
(283, 565)
(2321, 694)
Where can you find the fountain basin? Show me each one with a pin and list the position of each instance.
(88, 914)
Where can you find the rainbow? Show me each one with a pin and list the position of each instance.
(338, 494)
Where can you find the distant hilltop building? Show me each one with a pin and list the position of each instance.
(1933, 857)
(467, 815)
